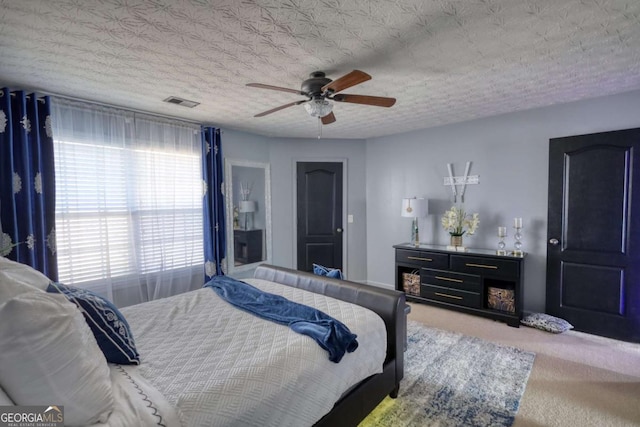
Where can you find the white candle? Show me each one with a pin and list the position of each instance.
(517, 222)
(502, 231)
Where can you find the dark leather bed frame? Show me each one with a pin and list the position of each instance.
(361, 399)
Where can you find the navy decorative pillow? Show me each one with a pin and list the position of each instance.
(334, 273)
(107, 323)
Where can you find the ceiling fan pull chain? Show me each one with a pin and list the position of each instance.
(319, 127)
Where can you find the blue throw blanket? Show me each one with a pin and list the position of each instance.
(329, 333)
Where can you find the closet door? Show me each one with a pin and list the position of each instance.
(593, 239)
(319, 214)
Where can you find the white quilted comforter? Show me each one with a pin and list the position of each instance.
(220, 366)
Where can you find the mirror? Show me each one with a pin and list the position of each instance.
(248, 207)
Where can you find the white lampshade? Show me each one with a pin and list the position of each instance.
(247, 206)
(415, 208)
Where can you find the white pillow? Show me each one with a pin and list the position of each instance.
(4, 399)
(49, 356)
(10, 287)
(24, 274)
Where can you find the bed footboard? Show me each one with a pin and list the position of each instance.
(388, 304)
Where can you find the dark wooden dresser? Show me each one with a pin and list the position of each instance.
(477, 281)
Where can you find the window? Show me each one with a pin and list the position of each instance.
(128, 200)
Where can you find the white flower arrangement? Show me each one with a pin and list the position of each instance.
(457, 222)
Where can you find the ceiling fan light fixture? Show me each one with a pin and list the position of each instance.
(318, 107)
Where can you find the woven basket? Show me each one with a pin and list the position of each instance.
(501, 299)
(411, 283)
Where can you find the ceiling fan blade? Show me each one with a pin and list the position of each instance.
(328, 119)
(281, 89)
(378, 101)
(282, 107)
(351, 79)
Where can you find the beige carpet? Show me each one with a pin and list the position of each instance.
(578, 380)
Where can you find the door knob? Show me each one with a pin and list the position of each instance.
(339, 230)
(554, 242)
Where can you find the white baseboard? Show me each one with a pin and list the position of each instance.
(377, 284)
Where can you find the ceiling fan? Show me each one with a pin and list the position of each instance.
(319, 90)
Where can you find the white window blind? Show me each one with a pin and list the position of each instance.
(128, 201)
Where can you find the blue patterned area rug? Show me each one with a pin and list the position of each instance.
(455, 380)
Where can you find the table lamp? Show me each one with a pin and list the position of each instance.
(247, 207)
(415, 208)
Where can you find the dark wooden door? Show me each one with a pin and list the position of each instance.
(319, 213)
(593, 249)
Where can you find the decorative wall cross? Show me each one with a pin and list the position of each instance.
(455, 181)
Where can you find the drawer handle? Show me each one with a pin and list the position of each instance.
(447, 295)
(494, 267)
(419, 259)
(448, 279)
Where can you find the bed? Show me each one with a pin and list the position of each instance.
(204, 362)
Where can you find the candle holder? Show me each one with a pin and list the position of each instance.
(502, 233)
(517, 251)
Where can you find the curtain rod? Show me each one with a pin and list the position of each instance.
(39, 98)
(133, 110)
(104, 104)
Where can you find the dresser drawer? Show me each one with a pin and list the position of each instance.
(423, 258)
(453, 296)
(448, 279)
(492, 267)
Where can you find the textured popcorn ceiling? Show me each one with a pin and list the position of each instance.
(445, 61)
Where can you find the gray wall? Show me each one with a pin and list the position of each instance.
(282, 153)
(244, 146)
(509, 153)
